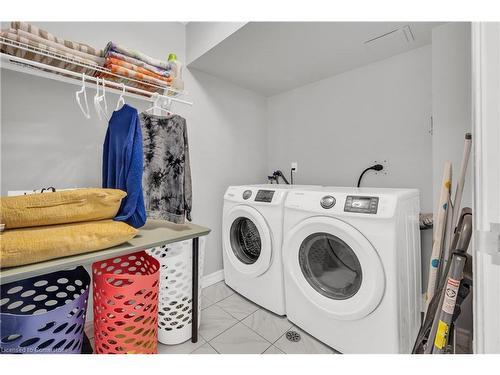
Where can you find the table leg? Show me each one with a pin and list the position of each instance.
(194, 296)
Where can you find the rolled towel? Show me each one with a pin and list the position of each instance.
(137, 69)
(111, 46)
(137, 62)
(60, 47)
(32, 29)
(56, 56)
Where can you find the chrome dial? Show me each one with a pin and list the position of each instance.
(327, 201)
(247, 194)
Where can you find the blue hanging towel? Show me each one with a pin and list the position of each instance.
(122, 164)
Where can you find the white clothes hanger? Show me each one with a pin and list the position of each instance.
(96, 98)
(168, 105)
(86, 111)
(121, 99)
(156, 104)
(104, 97)
(102, 113)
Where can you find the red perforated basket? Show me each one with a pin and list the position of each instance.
(126, 304)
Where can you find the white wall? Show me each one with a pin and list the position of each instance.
(451, 102)
(203, 36)
(338, 126)
(45, 140)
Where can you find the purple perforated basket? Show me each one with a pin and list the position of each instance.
(44, 314)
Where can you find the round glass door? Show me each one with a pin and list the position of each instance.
(245, 240)
(330, 266)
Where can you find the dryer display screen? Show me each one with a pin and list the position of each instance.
(362, 203)
(264, 196)
(365, 205)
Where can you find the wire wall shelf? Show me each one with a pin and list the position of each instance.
(55, 70)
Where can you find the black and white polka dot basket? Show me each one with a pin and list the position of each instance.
(45, 314)
(175, 302)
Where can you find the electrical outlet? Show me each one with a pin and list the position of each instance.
(294, 165)
(385, 163)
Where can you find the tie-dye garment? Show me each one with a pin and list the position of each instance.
(166, 180)
(137, 55)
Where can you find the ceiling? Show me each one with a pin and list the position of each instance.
(272, 57)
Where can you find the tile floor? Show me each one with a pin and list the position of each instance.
(231, 324)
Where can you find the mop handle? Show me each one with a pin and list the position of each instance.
(439, 233)
(461, 182)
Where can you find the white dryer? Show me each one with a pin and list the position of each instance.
(352, 267)
(252, 235)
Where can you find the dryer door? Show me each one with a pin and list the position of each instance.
(247, 241)
(335, 266)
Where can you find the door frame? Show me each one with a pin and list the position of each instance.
(486, 241)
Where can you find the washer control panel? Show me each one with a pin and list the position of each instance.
(264, 196)
(327, 201)
(363, 205)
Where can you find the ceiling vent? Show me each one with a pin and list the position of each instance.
(405, 32)
(408, 33)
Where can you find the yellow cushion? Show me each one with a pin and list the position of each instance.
(70, 206)
(31, 245)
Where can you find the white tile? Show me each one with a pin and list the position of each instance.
(205, 302)
(273, 350)
(214, 321)
(205, 349)
(217, 292)
(306, 345)
(237, 306)
(268, 325)
(240, 340)
(184, 348)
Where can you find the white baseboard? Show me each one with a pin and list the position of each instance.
(212, 278)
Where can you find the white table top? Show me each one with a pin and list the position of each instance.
(154, 233)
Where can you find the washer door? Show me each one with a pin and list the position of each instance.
(335, 266)
(247, 241)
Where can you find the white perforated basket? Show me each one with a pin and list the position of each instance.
(174, 307)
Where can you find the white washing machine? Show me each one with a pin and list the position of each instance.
(252, 235)
(352, 267)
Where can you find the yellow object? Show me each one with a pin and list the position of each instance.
(31, 245)
(441, 335)
(69, 206)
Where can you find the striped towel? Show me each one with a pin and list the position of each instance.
(142, 64)
(32, 29)
(134, 84)
(111, 46)
(60, 47)
(129, 73)
(141, 70)
(55, 54)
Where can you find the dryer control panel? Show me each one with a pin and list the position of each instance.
(264, 196)
(359, 204)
